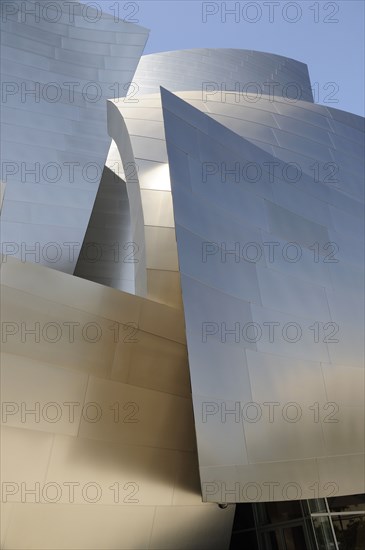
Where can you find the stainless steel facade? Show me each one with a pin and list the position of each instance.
(283, 405)
(225, 364)
(59, 67)
(218, 70)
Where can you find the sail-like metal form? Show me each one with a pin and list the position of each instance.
(272, 277)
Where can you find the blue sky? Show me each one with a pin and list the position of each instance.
(328, 36)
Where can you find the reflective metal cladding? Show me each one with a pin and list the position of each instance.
(213, 351)
(271, 270)
(58, 69)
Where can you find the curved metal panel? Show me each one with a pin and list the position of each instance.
(58, 69)
(214, 71)
(260, 123)
(271, 406)
(119, 384)
(277, 416)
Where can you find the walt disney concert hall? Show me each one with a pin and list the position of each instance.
(182, 295)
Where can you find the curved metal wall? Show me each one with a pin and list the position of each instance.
(307, 189)
(138, 132)
(270, 125)
(108, 254)
(59, 66)
(101, 451)
(139, 135)
(213, 71)
(272, 277)
(234, 374)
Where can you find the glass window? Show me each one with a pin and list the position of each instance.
(294, 538)
(261, 513)
(323, 533)
(351, 503)
(317, 505)
(241, 541)
(283, 511)
(350, 532)
(243, 518)
(272, 540)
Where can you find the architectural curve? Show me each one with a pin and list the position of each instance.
(324, 158)
(60, 64)
(235, 290)
(217, 70)
(246, 387)
(116, 374)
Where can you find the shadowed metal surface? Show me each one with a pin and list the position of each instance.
(139, 451)
(108, 254)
